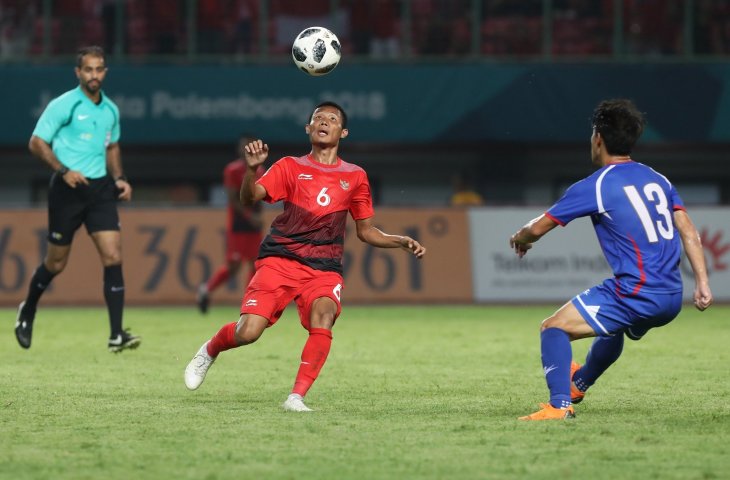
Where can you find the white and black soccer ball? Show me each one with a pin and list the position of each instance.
(316, 51)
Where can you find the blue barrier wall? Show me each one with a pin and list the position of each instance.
(685, 103)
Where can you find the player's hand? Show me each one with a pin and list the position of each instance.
(519, 247)
(256, 153)
(702, 297)
(124, 189)
(412, 246)
(74, 179)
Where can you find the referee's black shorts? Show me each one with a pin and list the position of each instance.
(94, 205)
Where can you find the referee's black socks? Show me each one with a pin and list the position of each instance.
(38, 284)
(114, 297)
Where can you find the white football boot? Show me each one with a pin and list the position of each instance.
(198, 367)
(295, 403)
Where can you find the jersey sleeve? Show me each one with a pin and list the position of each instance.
(677, 202)
(276, 182)
(578, 201)
(361, 205)
(116, 128)
(50, 121)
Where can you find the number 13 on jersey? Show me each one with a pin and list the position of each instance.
(653, 194)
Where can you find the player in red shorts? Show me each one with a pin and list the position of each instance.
(243, 230)
(301, 257)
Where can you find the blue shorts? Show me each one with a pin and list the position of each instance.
(609, 313)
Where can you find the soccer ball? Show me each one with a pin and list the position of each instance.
(316, 51)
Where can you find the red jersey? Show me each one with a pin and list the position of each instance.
(316, 199)
(233, 178)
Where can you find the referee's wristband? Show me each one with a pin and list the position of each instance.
(121, 177)
(63, 170)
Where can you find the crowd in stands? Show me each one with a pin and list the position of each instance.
(374, 28)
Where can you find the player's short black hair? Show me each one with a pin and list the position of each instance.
(93, 50)
(620, 124)
(333, 104)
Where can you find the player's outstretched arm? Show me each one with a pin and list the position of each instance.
(692, 244)
(369, 233)
(255, 153)
(530, 233)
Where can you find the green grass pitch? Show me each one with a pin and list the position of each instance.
(407, 393)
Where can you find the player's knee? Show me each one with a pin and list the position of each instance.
(246, 336)
(323, 313)
(56, 265)
(322, 320)
(247, 333)
(548, 323)
(111, 258)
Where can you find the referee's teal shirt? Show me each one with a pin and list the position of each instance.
(80, 130)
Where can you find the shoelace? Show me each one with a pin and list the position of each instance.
(202, 366)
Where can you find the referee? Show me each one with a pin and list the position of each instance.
(77, 136)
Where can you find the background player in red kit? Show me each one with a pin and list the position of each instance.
(243, 229)
(301, 258)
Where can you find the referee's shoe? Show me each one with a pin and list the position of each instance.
(124, 341)
(24, 325)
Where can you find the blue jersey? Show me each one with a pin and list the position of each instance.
(79, 131)
(632, 208)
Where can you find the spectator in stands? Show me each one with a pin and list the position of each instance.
(577, 8)
(292, 16)
(361, 24)
(652, 27)
(166, 19)
(211, 19)
(108, 10)
(71, 14)
(465, 195)
(16, 28)
(512, 8)
(580, 27)
(246, 15)
(385, 42)
(712, 27)
(512, 28)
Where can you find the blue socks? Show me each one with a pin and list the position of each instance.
(603, 353)
(556, 357)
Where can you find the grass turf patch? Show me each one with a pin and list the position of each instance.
(407, 392)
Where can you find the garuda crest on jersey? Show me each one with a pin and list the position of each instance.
(344, 184)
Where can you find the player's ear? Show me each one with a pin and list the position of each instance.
(598, 139)
(307, 129)
(345, 132)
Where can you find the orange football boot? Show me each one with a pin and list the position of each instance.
(548, 412)
(576, 396)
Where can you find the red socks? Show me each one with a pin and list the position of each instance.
(314, 353)
(313, 357)
(220, 276)
(224, 340)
